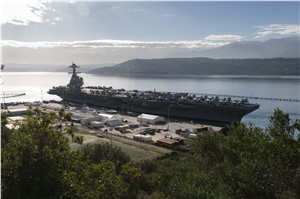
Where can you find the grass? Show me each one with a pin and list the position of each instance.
(135, 153)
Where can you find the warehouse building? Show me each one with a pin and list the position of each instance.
(96, 124)
(112, 122)
(88, 120)
(167, 142)
(150, 119)
(17, 111)
(104, 117)
(144, 138)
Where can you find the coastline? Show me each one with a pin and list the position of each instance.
(229, 76)
(295, 77)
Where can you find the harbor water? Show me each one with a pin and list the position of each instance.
(36, 84)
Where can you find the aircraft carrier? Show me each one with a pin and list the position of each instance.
(210, 110)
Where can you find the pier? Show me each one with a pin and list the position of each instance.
(240, 96)
(249, 97)
(10, 95)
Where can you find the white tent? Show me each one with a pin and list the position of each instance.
(151, 119)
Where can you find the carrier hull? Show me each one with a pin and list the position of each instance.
(207, 112)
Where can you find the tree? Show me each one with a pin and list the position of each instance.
(37, 162)
(33, 159)
(78, 139)
(5, 134)
(93, 181)
(131, 176)
(253, 163)
(99, 152)
(248, 162)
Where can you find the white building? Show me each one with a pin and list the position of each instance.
(151, 119)
(85, 108)
(112, 112)
(104, 117)
(76, 118)
(53, 106)
(112, 122)
(144, 138)
(17, 111)
(88, 120)
(96, 124)
(15, 119)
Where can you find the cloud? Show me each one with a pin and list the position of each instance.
(95, 51)
(228, 38)
(197, 44)
(22, 12)
(137, 9)
(167, 15)
(57, 18)
(278, 29)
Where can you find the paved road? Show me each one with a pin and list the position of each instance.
(124, 140)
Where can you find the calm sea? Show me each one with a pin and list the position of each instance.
(36, 85)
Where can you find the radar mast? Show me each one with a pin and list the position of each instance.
(76, 82)
(74, 66)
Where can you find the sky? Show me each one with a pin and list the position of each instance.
(94, 32)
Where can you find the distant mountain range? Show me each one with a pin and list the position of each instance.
(284, 48)
(272, 57)
(203, 66)
(13, 67)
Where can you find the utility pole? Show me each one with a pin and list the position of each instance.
(3, 94)
(42, 97)
(123, 111)
(111, 137)
(168, 116)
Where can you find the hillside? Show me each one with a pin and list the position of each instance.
(203, 66)
(280, 47)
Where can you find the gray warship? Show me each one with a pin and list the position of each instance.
(209, 110)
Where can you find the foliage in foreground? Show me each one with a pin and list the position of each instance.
(37, 163)
(246, 163)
